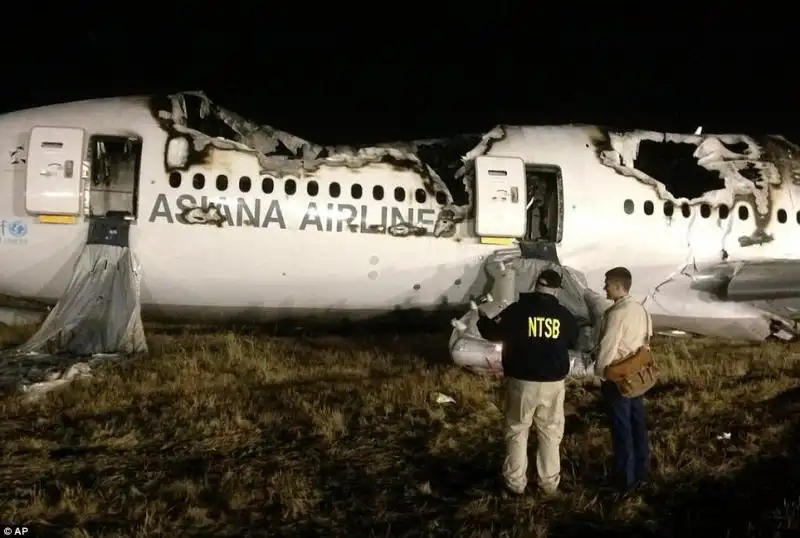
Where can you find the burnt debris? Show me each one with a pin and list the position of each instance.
(444, 157)
(195, 125)
(710, 170)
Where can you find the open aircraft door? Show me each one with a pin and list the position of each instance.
(501, 198)
(53, 177)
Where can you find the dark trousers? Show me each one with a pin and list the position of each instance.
(628, 436)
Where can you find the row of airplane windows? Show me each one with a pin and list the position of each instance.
(312, 188)
(705, 210)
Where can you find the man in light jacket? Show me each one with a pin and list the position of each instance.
(626, 326)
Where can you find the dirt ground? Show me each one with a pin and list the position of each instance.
(247, 434)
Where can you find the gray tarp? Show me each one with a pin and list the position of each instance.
(509, 275)
(99, 314)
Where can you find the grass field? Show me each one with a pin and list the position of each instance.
(245, 434)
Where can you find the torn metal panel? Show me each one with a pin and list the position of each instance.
(466, 173)
(445, 225)
(786, 156)
(442, 155)
(708, 169)
(488, 140)
(196, 126)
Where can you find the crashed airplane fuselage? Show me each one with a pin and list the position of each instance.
(231, 220)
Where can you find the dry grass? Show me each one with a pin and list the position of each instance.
(223, 434)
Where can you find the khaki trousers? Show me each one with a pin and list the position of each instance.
(542, 404)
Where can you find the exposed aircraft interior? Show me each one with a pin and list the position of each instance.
(115, 165)
(543, 184)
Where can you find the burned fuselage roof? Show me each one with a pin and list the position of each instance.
(712, 169)
(203, 125)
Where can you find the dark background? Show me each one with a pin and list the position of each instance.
(400, 74)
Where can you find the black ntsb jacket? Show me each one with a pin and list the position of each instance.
(537, 331)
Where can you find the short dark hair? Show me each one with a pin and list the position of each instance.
(621, 276)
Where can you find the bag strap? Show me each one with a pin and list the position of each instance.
(649, 326)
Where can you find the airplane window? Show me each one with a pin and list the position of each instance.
(290, 187)
(267, 185)
(334, 190)
(798, 217)
(686, 211)
(356, 191)
(648, 207)
(377, 192)
(312, 188)
(628, 206)
(743, 212)
(245, 184)
(175, 180)
(441, 198)
(705, 211)
(399, 194)
(420, 196)
(222, 183)
(199, 181)
(723, 211)
(781, 216)
(669, 208)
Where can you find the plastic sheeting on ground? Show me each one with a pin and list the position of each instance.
(98, 315)
(509, 275)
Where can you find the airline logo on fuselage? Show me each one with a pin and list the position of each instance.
(267, 213)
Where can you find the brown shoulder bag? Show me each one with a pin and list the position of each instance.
(635, 374)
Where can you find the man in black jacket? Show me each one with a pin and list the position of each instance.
(536, 332)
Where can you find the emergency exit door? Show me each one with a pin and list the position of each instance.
(53, 176)
(501, 196)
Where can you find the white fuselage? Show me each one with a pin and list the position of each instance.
(279, 268)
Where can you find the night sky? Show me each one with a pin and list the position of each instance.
(340, 86)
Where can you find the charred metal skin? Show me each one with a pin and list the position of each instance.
(706, 170)
(195, 126)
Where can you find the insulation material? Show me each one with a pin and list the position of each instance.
(509, 275)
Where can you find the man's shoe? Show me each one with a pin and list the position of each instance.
(508, 493)
(623, 494)
(551, 494)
